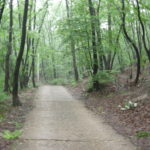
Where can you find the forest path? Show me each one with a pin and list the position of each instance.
(59, 122)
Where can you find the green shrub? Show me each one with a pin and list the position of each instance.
(58, 82)
(2, 117)
(142, 134)
(73, 83)
(3, 96)
(89, 87)
(105, 76)
(11, 135)
(18, 125)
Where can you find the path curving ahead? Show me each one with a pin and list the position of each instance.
(59, 122)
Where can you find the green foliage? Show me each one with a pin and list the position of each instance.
(3, 96)
(73, 83)
(105, 76)
(141, 134)
(18, 125)
(11, 135)
(58, 82)
(89, 87)
(2, 117)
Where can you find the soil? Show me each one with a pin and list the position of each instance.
(105, 103)
(15, 116)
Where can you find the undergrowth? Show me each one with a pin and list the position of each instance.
(10, 135)
(142, 134)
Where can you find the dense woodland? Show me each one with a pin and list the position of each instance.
(69, 40)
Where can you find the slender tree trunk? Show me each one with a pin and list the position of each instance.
(72, 43)
(54, 68)
(51, 43)
(35, 43)
(143, 31)
(94, 45)
(131, 42)
(25, 68)
(9, 51)
(33, 63)
(2, 6)
(99, 38)
(19, 15)
(117, 46)
(16, 101)
(33, 48)
(110, 39)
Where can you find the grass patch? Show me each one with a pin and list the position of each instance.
(3, 96)
(73, 83)
(58, 82)
(8, 135)
(142, 134)
(18, 125)
(2, 118)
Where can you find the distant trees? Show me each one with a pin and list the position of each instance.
(95, 40)
(109, 37)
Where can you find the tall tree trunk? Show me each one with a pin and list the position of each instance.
(99, 37)
(143, 31)
(2, 6)
(9, 51)
(131, 42)
(35, 43)
(16, 101)
(110, 39)
(19, 15)
(51, 43)
(25, 68)
(94, 45)
(72, 43)
(33, 48)
(33, 63)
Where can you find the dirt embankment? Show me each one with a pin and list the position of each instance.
(108, 103)
(14, 118)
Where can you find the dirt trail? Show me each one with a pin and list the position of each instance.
(59, 122)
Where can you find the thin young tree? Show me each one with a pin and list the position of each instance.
(16, 101)
(72, 44)
(9, 51)
(94, 45)
(133, 44)
(2, 6)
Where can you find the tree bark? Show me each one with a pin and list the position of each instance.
(2, 6)
(131, 42)
(94, 45)
(33, 48)
(16, 101)
(9, 51)
(72, 43)
(143, 31)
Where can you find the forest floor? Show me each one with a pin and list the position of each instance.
(106, 103)
(13, 118)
